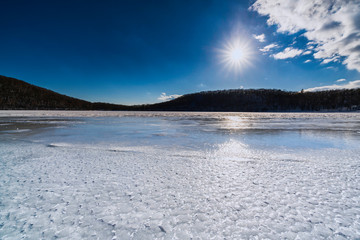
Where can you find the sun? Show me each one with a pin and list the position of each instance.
(236, 54)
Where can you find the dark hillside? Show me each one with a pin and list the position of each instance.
(263, 100)
(17, 94)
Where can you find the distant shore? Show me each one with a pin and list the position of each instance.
(17, 94)
(96, 113)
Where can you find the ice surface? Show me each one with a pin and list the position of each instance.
(126, 175)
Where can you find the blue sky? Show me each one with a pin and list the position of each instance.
(134, 51)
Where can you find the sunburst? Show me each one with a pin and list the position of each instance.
(236, 54)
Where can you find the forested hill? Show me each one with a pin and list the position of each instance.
(17, 94)
(263, 100)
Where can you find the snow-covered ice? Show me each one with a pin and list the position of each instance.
(153, 175)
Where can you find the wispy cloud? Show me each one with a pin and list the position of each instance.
(288, 52)
(164, 97)
(310, 47)
(331, 67)
(349, 85)
(269, 47)
(327, 60)
(341, 80)
(201, 85)
(260, 38)
(307, 61)
(332, 27)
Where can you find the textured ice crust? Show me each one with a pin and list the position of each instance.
(232, 190)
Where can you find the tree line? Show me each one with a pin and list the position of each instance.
(17, 94)
(263, 100)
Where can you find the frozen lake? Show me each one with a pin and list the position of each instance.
(153, 175)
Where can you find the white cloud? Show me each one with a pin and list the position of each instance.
(341, 80)
(164, 97)
(307, 52)
(269, 47)
(288, 52)
(332, 26)
(260, 38)
(310, 47)
(327, 60)
(307, 61)
(349, 85)
(201, 85)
